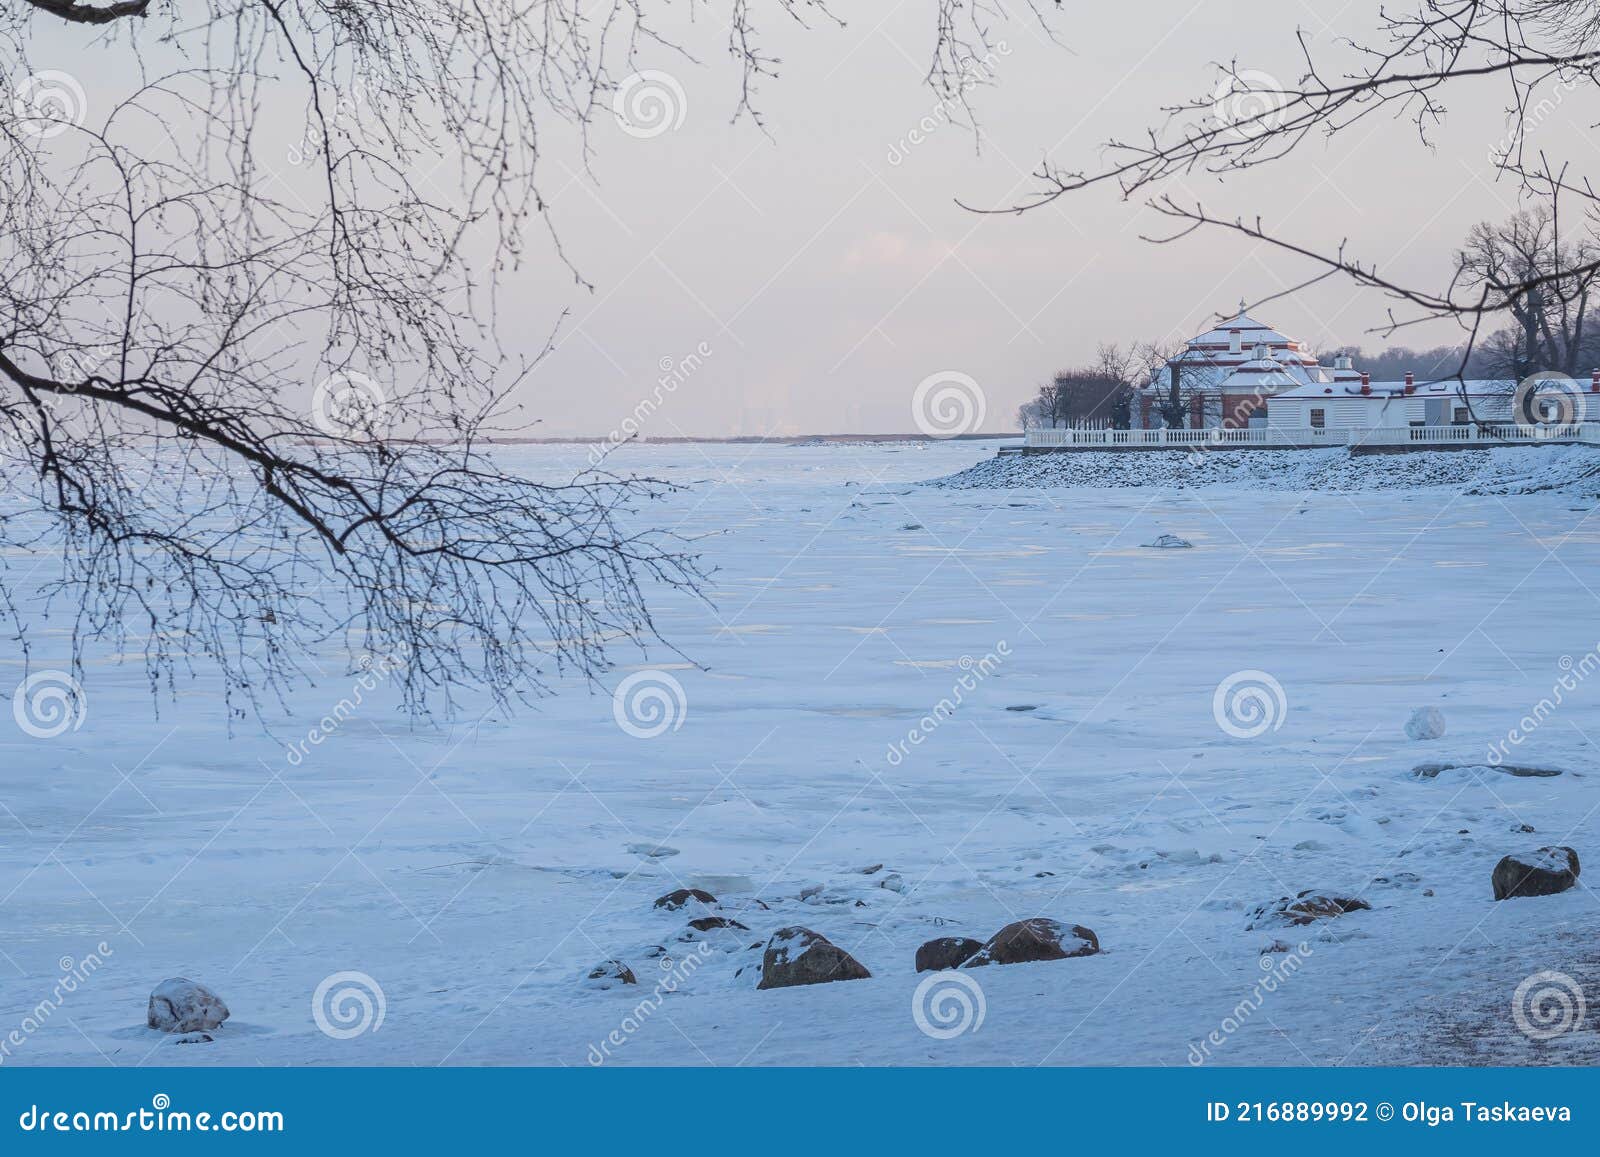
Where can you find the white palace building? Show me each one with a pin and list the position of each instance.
(1228, 374)
(1244, 383)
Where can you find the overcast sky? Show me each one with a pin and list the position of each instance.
(828, 269)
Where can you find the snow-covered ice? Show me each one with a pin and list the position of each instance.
(996, 698)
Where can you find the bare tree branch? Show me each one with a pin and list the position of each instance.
(1540, 49)
(251, 388)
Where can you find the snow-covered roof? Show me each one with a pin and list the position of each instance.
(1478, 388)
(1242, 355)
(1264, 375)
(1232, 341)
(1451, 388)
(1250, 330)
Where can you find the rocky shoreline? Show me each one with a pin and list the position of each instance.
(1510, 470)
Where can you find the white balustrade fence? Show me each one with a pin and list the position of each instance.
(1307, 437)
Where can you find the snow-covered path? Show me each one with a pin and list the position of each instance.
(476, 871)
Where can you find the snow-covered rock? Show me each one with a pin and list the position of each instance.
(1425, 723)
(610, 973)
(1539, 873)
(179, 1004)
(800, 956)
(947, 952)
(1039, 938)
(1432, 769)
(1293, 911)
(1568, 470)
(680, 897)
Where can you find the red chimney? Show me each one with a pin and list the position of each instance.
(1594, 383)
(1366, 382)
(1411, 382)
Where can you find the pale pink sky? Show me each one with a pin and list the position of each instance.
(829, 280)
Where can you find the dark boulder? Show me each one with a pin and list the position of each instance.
(800, 956)
(710, 923)
(672, 901)
(1541, 873)
(947, 952)
(1039, 938)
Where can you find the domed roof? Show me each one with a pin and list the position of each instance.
(1263, 373)
(1250, 330)
(1242, 355)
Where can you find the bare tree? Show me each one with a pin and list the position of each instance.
(1047, 407)
(1541, 50)
(1078, 396)
(248, 373)
(1179, 388)
(1550, 319)
(1126, 367)
(1030, 415)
